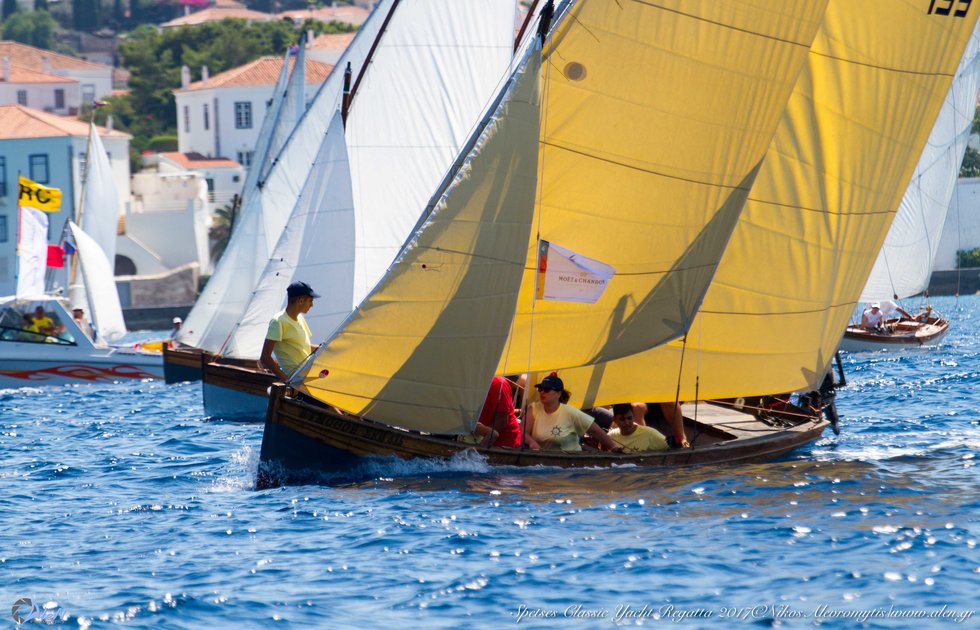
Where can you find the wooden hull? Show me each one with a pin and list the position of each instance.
(302, 440)
(235, 392)
(900, 334)
(183, 364)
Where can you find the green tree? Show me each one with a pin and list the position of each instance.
(968, 258)
(9, 8)
(222, 223)
(34, 28)
(971, 163)
(87, 15)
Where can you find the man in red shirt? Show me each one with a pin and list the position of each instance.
(498, 423)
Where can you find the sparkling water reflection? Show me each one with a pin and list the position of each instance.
(124, 504)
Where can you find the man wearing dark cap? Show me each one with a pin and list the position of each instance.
(288, 337)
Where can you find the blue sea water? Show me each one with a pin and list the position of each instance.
(123, 504)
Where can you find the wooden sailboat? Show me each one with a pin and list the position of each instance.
(816, 217)
(411, 365)
(904, 264)
(207, 320)
(372, 176)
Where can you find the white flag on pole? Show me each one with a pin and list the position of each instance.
(566, 276)
(32, 246)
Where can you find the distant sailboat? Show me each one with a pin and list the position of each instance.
(265, 208)
(904, 264)
(608, 180)
(373, 175)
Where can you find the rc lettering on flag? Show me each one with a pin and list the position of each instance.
(566, 276)
(34, 195)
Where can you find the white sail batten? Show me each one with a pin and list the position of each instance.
(420, 351)
(100, 287)
(904, 264)
(434, 70)
(317, 244)
(225, 298)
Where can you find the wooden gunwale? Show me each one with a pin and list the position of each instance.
(364, 437)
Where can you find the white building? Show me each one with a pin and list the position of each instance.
(94, 79)
(220, 116)
(37, 90)
(224, 177)
(962, 227)
(50, 150)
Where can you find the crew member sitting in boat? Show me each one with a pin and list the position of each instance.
(42, 323)
(78, 314)
(498, 422)
(633, 437)
(288, 336)
(552, 424)
(873, 319)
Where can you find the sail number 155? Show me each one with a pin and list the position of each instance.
(945, 7)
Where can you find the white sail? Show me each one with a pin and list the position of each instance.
(435, 325)
(100, 287)
(318, 243)
(100, 198)
(293, 106)
(264, 151)
(225, 298)
(436, 67)
(441, 62)
(904, 264)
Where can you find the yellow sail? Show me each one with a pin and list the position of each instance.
(421, 349)
(822, 203)
(655, 118)
(654, 121)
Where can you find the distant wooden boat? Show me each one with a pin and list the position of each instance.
(302, 439)
(235, 390)
(184, 363)
(898, 333)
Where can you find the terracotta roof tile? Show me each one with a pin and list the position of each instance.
(262, 71)
(218, 13)
(346, 14)
(30, 57)
(196, 160)
(333, 40)
(20, 74)
(17, 122)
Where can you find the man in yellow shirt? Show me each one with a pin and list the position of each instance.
(634, 438)
(288, 336)
(42, 323)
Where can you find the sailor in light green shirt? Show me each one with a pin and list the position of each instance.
(634, 438)
(288, 336)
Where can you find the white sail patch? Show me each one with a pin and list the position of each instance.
(564, 275)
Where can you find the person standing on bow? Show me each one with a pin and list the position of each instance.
(288, 336)
(551, 424)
